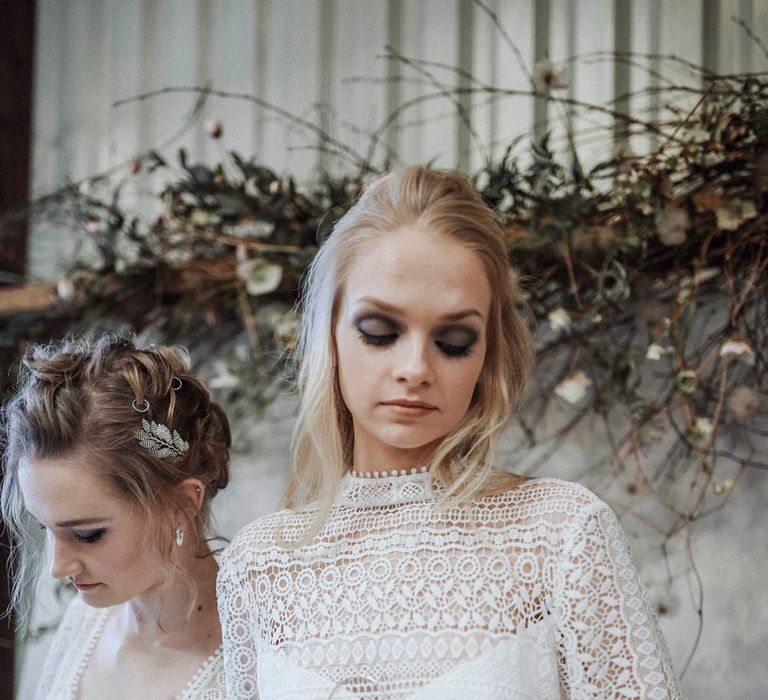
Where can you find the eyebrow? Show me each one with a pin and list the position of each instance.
(389, 308)
(82, 521)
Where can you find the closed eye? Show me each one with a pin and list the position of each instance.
(89, 537)
(377, 330)
(454, 350)
(456, 342)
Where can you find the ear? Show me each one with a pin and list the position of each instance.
(191, 494)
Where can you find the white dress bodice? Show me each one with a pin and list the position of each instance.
(529, 594)
(75, 641)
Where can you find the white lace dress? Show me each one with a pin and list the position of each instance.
(75, 641)
(529, 594)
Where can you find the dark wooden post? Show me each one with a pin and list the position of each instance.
(17, 22)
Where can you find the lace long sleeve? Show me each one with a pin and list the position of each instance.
(610, 643)
(236, 610)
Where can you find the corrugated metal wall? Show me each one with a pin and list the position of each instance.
(324, 60)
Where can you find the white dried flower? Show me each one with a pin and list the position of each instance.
(722, 487)
(655, 352)
(223, 377)
(214, 128)
(740, 349)
(559, 319)
(203, 217)
(92, 225)
(574, 387)
(65, 289)
(734, 214)
(702, 431)
(287, 329)
(506, 202)
(260, 276)
(703, 426)
(687, 381)
(546, 77)
(482, 181)
(705, 275)
(250, 228)
(671, 225)
(743, 402)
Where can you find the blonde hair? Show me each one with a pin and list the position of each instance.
(74, 398)
(447, 203)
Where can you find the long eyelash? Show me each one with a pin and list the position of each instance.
(455, 351)
(378, 340)
(88, 539)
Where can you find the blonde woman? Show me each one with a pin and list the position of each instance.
(406, 565)
(115, 452)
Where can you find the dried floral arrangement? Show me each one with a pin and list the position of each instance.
(645, 276)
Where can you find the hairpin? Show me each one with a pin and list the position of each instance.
(158, 438)
(161, 441)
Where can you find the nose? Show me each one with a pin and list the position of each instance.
(415, 365)
(64, 562)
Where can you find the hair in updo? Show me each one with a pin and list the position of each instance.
(76, 399)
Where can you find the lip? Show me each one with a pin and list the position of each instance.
(407, 407)
(84, 587)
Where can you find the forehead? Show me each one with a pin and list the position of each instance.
(414, 267)
(58, 489)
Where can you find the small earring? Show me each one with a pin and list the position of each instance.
(179, 536)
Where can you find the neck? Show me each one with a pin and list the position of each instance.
(163, 614)
(389, 461)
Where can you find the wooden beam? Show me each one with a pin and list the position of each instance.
(34, 297)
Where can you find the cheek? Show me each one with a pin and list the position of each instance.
(466, 380)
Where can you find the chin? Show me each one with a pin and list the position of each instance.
(92, 602)
(99, 599)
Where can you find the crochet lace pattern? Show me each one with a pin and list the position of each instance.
(527, 594)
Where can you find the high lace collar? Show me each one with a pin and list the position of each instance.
(364, 491)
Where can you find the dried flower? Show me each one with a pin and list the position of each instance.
(214, 128)
(687, 381)
(223, 377)
(734, 213)
(482, 180)
(671, 225)
(701, 431)
(574, 387)
(260, 276)
(250, 228)
(559, 319)
(203, 217)
(655, 352)
(546, 77)
(506, 203)
(739, 349)
(65, 289)
(287, 329)
(743, 402)
(722, 487)
(705, 274)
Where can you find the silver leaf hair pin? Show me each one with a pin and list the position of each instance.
(161, 441)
